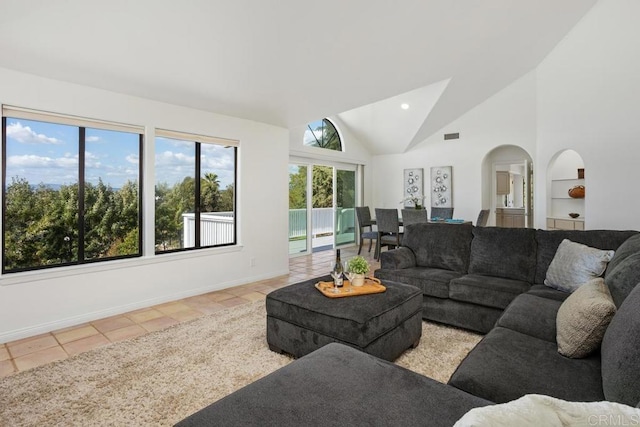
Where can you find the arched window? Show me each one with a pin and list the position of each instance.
(323, 134)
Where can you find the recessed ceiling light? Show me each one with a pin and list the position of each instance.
(404, 106)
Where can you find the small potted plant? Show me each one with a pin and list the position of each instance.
(358, 267)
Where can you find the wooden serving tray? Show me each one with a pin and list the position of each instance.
(371, 286)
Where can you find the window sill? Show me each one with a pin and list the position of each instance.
(8, 279)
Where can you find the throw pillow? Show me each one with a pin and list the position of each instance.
(575, 264)
(583, 318)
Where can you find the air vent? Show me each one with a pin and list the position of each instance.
(451, 136)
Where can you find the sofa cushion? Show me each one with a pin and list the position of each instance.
(518, 316)
(504, 252)
(330, 387)
(547, 292)
(507, 364)
(549, 240)
(621, 353)
(575, 264)
(623, 272)
(397, 258)
(583, 319)
(629, 247)
(495, 292)
(444, 246)
(432, 281)
(465, 315)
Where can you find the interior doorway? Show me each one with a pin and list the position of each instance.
(507, 187)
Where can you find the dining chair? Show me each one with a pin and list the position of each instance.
(388, 229)
(363, 213)
(483, 217)
(443, 213)
(413, 216)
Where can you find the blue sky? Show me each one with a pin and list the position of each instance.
(48, 153)
(175, 159)
(309, 138)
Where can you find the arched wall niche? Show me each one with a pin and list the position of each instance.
(518, 163)
(565, 171)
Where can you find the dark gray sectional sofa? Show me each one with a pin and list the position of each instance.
(338, 385)
(469, 275)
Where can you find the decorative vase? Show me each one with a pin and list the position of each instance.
(358, 280)
(577, 192)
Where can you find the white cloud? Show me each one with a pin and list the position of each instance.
(133, 159)
(217, 162)
(169, 158)
(24, 135)
(175, 142)
(33, 161)
(92, 138)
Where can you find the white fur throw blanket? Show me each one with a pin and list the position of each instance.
(537, 410)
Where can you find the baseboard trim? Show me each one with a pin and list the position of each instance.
(47, 327)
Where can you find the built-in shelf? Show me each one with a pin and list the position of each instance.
(566, 172)
(561, 204)
(568, 223)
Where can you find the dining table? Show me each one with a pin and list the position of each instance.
(432, 221)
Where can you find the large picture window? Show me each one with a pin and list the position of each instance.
(195, 191)
(71, 190)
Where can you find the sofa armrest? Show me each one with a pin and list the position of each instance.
(395, 259)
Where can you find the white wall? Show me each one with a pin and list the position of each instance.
(589, 101)
(508, 118)
(585, 96)
(36, 302)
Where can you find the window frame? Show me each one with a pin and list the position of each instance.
(82, 124)
(198, 140)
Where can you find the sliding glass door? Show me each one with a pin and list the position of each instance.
(345, 203)
(321, 207)
(298, 210)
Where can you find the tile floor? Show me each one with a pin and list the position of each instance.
(34, 351)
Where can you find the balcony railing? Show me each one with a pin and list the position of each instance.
(216, 228)
(322, 220)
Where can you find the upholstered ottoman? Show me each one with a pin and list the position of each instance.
(300, 319)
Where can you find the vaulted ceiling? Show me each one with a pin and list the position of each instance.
(289, 62)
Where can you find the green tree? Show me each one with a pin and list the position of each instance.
(298, 189)
(210, 193)
(41, 223)
(322, 185)
(346, 195)
(166, 231)
(227, 198)
(99, 218)
(21, 243)
(126, 246)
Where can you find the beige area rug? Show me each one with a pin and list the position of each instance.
(162, 377)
